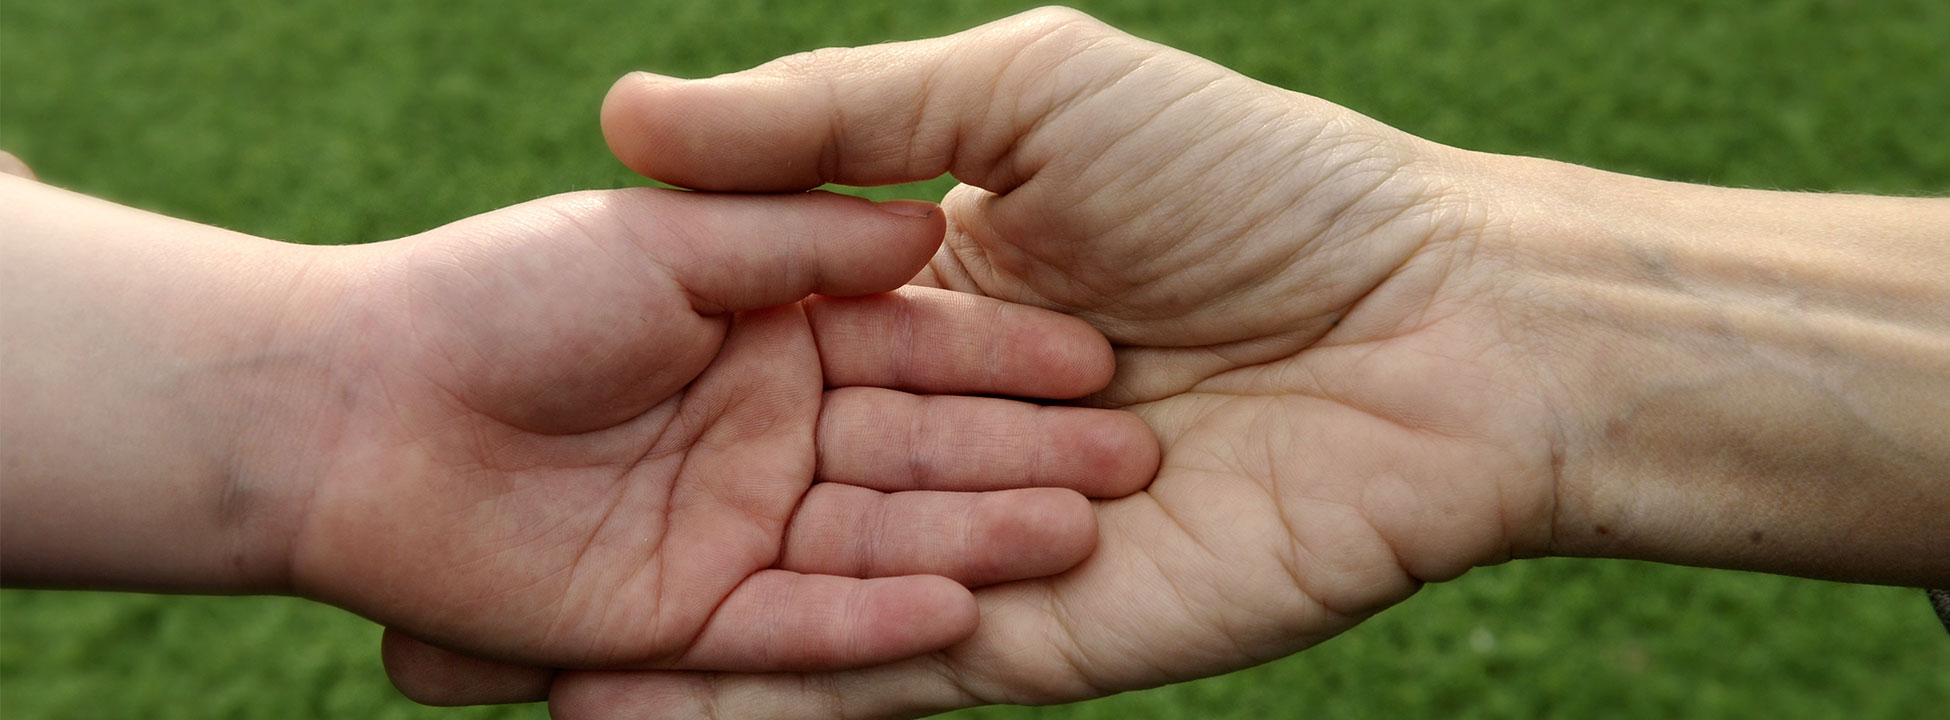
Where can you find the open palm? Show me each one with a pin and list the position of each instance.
(580, 434)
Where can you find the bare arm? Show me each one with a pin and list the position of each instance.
(607, 428)
(143, 362)
(1744, 379)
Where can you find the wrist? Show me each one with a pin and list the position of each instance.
(268, 385)
(1739, 378)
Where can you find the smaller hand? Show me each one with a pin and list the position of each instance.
(579, 433)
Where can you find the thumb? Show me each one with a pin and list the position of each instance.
(744, 252)
(877, 115)
(576, 312)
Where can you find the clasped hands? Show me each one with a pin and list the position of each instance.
(1325, 444)
(727, 453)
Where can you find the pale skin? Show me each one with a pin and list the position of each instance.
(1373, 361)
(606, 429)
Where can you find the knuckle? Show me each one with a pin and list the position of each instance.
(1060, 17)
(1056, 32)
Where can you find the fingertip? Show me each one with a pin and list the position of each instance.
(935, 612)
(744, 252)
(624, 121)
(724, 134)
(1071, 356)
(658, 126)
(1035, 532)
(1097, 359)
(889, 246)
(1119, 447)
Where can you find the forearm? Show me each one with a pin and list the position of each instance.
(143, 357)
(1744, 379)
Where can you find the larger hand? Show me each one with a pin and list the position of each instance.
(1373, 361)
(1297, 303)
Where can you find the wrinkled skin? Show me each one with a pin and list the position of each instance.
(1300, 301)
(585, 432)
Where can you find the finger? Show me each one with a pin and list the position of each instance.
(876, 115)
(783, 621)
(972, 538)
(435, 676)
(1081, 635)
(890, 440)
(938, 341)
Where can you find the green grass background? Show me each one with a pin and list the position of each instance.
(337, 122)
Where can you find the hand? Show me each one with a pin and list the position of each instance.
(568, 449)
(1299, 317)
(577, 432)
(1373, 361)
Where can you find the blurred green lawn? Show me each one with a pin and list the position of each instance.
(337, 122)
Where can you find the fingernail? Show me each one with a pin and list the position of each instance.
(908, 208)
